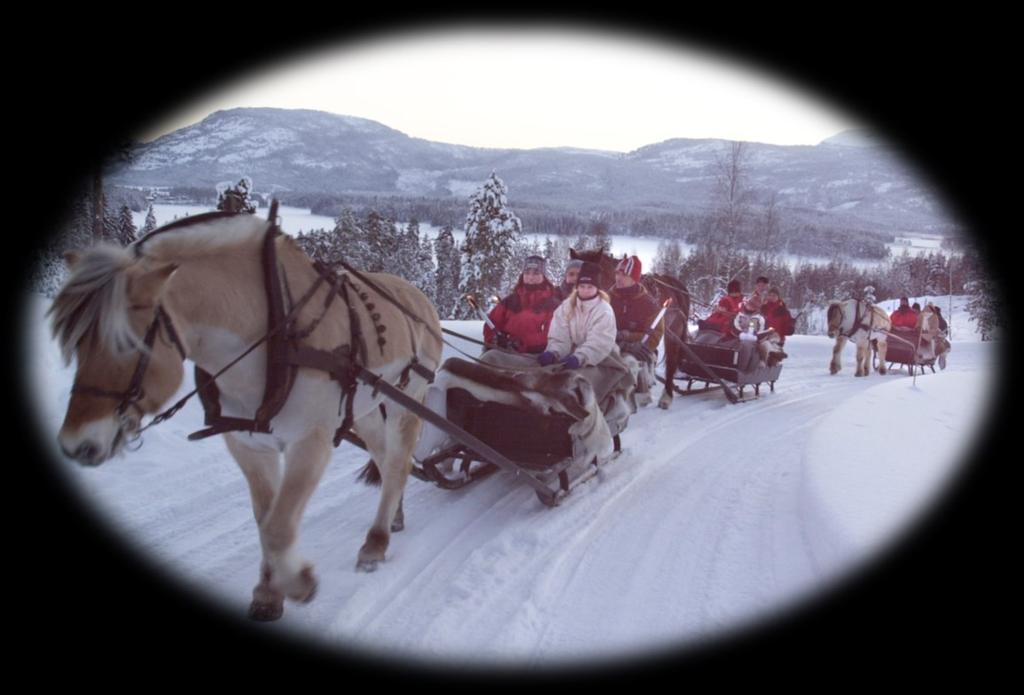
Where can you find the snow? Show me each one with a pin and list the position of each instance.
(714, 517)
(866, 480)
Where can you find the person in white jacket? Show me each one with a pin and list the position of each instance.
(582, 331)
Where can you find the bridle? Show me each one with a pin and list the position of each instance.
(131, 396)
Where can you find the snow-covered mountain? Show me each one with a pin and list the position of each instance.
(852, 178)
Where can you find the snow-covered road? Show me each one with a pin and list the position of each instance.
(714, 515)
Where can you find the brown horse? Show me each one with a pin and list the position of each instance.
(661, 288)
(196, 289)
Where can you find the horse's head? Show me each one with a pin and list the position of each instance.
(835, 318)
(606, 262)
(927, 321)
(108, 316)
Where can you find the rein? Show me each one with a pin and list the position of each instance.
(131, 396)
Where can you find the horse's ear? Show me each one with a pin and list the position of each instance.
(71, 259)
(572, 254)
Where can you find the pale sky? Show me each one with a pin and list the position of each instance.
(527, 87)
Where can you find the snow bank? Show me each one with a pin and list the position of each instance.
(877, 463)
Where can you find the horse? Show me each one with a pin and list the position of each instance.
(197, 289)
(661, 287)
(933, 344)
(861, 322)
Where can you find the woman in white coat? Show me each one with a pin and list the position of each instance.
(582, 331)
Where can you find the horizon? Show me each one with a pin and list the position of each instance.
(462, 144)
(558, 87)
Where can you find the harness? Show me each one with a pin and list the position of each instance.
(285, 353)
(130, 397)
(858, 322)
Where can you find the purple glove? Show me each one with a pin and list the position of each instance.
(571, 362)
(546, 358)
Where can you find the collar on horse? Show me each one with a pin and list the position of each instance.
(858, 321)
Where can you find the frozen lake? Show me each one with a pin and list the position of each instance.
(295, 220)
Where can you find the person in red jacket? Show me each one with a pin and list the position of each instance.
(904, 316)
(720, 321)
(776, 315)
(522, 318)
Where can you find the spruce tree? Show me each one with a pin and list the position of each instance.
(446, 292)
(125, 233)
(237, 198)
(150, 224)
(492, 230)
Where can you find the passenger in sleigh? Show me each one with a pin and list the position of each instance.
(523, 317)
(710, 330)
(635, 310)
(741, 331)
(904, 318)
(582, 336)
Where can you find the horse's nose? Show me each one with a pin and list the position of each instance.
(87, 453)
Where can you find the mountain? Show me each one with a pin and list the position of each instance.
(852, 178)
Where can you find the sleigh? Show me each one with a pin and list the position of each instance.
(533, 438)
(540, 445)
(710, 363)
(908, 348)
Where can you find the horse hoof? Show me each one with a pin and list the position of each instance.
(265, 612)
(663, 405)
(367, 566)
(397, 526)
(306, 586)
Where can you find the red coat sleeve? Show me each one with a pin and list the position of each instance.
(499, 316)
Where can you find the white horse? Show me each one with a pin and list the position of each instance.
(196, 289)
(933, 344)
(861, 322)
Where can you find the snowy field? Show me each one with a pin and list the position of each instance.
(714, 516)
(294, 220)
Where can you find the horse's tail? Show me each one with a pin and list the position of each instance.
(369, 474)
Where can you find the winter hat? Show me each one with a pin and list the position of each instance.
(733, 286)
(630, 266)
(535, 263)
(574, 263)
(590, 274)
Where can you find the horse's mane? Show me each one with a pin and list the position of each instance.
(96, 294)
(204, 235)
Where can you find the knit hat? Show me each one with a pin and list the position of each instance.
(535, 263)
(630, 266)
(733, 286)
(590, 274)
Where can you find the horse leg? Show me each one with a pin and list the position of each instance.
(284, 573)
(671, 363)
(262, 470)
(392, 450)
(837, 352)
(882, 368)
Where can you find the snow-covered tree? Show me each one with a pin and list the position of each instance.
(150, 224)
(349, 242)
(125, 232)
(237, 198)
(669, 258)
(426, 278)
(403, 260)
(446, 291)
(492, 230)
